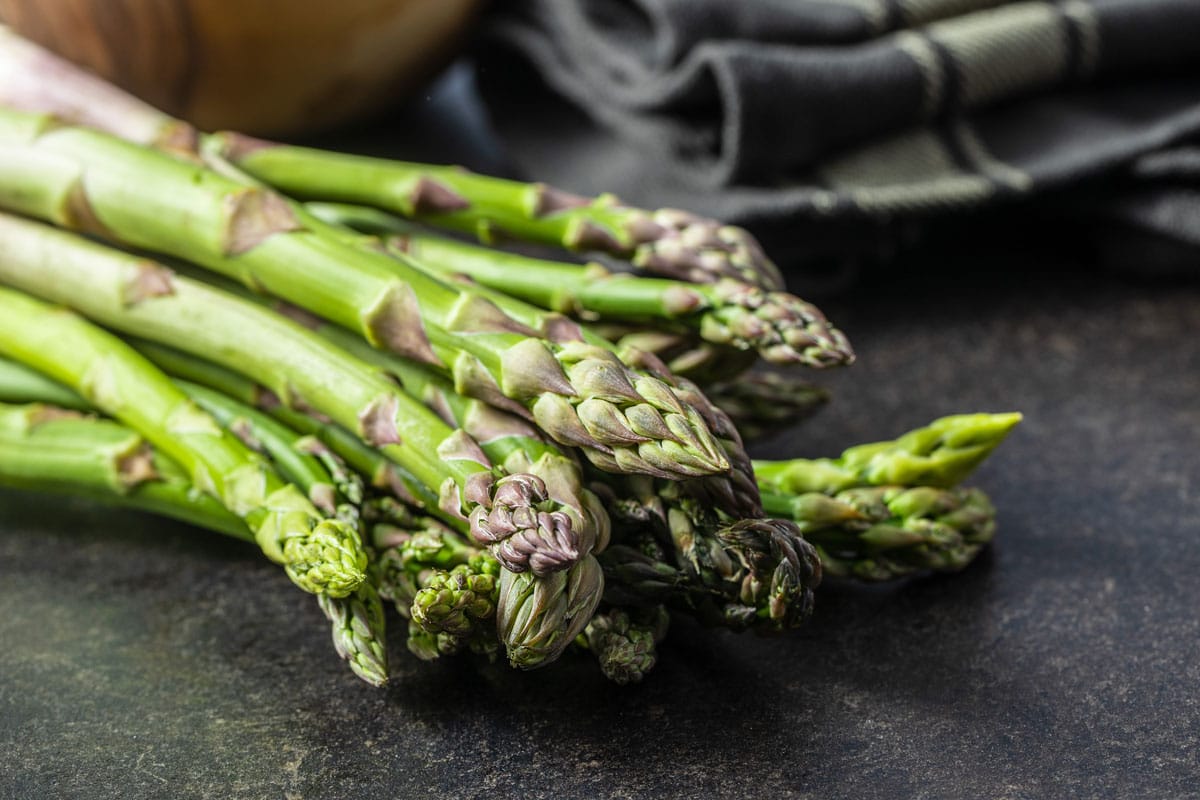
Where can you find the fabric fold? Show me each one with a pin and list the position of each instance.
(868, 112)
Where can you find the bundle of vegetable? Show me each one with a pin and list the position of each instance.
(494, 443)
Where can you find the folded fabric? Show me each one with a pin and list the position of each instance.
(830, 126)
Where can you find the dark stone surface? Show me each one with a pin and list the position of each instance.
(142, 659)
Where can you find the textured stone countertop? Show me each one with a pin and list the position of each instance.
(143, 659)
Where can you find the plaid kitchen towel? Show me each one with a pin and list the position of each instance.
(834, 126)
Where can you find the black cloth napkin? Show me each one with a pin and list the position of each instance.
(841, 127)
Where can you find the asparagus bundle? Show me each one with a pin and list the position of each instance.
(395, 414)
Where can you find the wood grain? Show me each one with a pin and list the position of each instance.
(272, 67)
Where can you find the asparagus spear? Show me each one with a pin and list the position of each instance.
(783, 328)
(684, 353)
(667, 242)
(883, 532)
(300, 367)
(444, 586)
(45, 448)
(358, 624)
(320, 555)
(764, 402)
(940, 454)
(538, 618)
(624, 641)
(19, 385)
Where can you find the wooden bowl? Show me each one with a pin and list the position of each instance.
(271, 67)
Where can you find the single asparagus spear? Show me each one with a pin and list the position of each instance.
(143, 298)
(685, 354)
(940, 454)
(36, 80)
(410, 547)
(78, 178)
(46, 448)
(883, 532)
(444, 586)
(320, 555)
(456, 609)
(358, 627)
(760, 403)
(20, 384)
(538, 618)
(667, 242)
(783, 328)
(624, 641)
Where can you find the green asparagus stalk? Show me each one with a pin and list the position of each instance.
(320, 555)
(940, 454)
(455, 610)
(760, 403)
(880, 533)
(668, 242)
(299, 366)
(683, 352)
(783, 328)
(20, 385)
(36, 80)
(45, 448)
(444, 586)
(411, 546)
